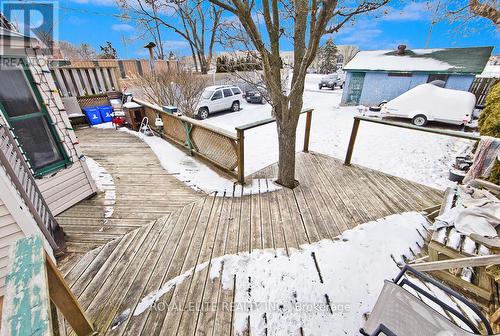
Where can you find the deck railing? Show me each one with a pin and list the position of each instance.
(358, 119)
(219, 147)
(14, 163)
(35, 291)
(240, 131)
(215, 145)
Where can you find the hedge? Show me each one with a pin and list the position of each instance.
(489, 124)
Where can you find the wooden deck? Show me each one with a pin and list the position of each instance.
(330, 199)
(142, 189)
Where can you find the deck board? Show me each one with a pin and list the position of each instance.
(331, 198)
(144, 191)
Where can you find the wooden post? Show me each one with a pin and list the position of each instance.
(241, 155)
(66, 302)
(118, 77)
(352, 140)
(307, 132)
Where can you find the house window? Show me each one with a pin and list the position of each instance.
(434, 77)
(23, 109)
(400, 74)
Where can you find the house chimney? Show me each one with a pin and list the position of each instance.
(401, 49)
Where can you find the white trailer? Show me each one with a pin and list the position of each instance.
(428, 102)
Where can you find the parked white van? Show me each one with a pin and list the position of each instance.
(428, 102)
(219, 98)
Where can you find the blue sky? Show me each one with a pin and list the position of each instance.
(92, 21)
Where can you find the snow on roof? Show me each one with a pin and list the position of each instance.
(449, 60)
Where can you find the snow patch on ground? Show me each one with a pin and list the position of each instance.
(197, 175)
(324, 287)
(106, 125)
(104, 182)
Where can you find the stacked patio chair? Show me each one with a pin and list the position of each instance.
(407, 307)
(480, 283)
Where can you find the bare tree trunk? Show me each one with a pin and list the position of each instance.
(194, 57)
(287, 135)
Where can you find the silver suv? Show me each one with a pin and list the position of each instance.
(331, 81)
(218, 98)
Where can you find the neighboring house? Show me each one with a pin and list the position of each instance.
(375, 76)
(344, 54)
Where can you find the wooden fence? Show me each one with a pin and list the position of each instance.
(481, 87)
(127, 68)
(358, 119)
(221, 148)
(35, 290)
(78, 81)
(14, 162)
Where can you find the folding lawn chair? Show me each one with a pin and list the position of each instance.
(399, 312)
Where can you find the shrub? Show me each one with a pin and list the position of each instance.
(177, 88)
(489, 125)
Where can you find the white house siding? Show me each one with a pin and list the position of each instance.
(73, 184)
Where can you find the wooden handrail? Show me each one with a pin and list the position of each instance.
(32, 285)
(192, 121)
(240, 132)
(357, 119)
(266, 121)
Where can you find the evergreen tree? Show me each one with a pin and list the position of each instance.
(328, 57)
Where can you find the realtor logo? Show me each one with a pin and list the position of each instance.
(32, 20)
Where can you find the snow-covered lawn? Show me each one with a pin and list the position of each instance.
(417, 156)
(325, 287)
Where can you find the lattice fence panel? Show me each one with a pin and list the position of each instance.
(173, 128)
(99, 100)
(216, 147)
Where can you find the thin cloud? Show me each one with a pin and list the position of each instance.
(361, 33)
(175, 44)
(122, 27)
(414, 11)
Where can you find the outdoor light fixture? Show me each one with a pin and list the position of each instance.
(150, 46)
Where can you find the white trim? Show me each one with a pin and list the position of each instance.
(19, 211)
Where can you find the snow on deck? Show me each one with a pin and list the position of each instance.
(281, 229)
(323, 288)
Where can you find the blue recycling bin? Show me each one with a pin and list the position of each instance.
(93, 115)
(106, 111)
